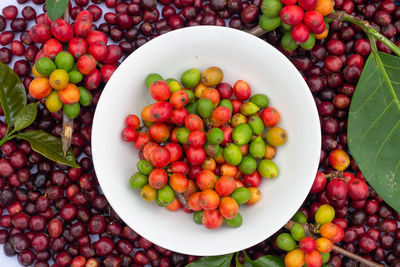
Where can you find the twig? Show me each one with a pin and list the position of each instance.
(66, 134)
(353, 256)
(181, 199)
(334, 174)
(257, 31)
(310, 231)
(68, 123)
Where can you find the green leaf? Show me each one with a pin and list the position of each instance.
(12, 93)
(265, 261)
(214, 261)
(26, 116)
(237, 263)
(56, 8)
(49, 146)
(374, 127)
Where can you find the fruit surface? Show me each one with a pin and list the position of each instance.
(59, 79)
(40, 87)
(53, 102)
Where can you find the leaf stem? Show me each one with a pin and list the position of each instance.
(4, 139)
(383, 71)
(367, 28)
(381, 67)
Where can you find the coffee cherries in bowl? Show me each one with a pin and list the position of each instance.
(204, 145)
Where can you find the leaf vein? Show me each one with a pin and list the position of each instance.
(384, 141)
(383, 94)
(391, 67)
(369, 97)
(375, 121)
(397, 167)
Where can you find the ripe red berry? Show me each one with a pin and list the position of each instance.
(357, 189)
(86, 64)
(337, 189)
(161, 111)
(319, 183)
(314, 21)
(160, 90)
(308, 4)
(132, 121)
(160, 157)
(129, 134)
(300, 33)
(98, 50)
(292, 14)
(289, 2)
(307, 244)
(62, 30)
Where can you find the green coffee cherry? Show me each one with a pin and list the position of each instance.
(182, 135)
(269, 24)
(232, 154)
(86, 97)
(248, 165)
(75, 76)
(286, 242)
(72, 111)
(197, 217)
(152, 78)
(235, 222)
(288, 43)
(309, 44)
(267, 168)
(190, 78)
(165, 195)
(144, 166)
(271, 8)
(138, 180)
(242, 134)
(241, 195)
(297, 231)
(299, 217)
(260, 100)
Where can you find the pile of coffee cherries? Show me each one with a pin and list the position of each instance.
(312, 250)
(200, 143)
(331, 69)
(86, 47)
(300, 21)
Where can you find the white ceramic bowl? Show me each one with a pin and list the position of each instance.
(241, 56)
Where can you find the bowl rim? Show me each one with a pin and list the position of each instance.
(314, 158)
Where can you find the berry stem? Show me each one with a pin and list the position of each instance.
(68, 123)
(333, 175)
(310, 231)
(181, 199)
(367, 28)
(341, 15)
(372, 33)
(257, 31)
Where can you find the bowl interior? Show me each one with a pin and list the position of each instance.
(240, 56)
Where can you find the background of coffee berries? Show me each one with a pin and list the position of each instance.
(331, 70)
